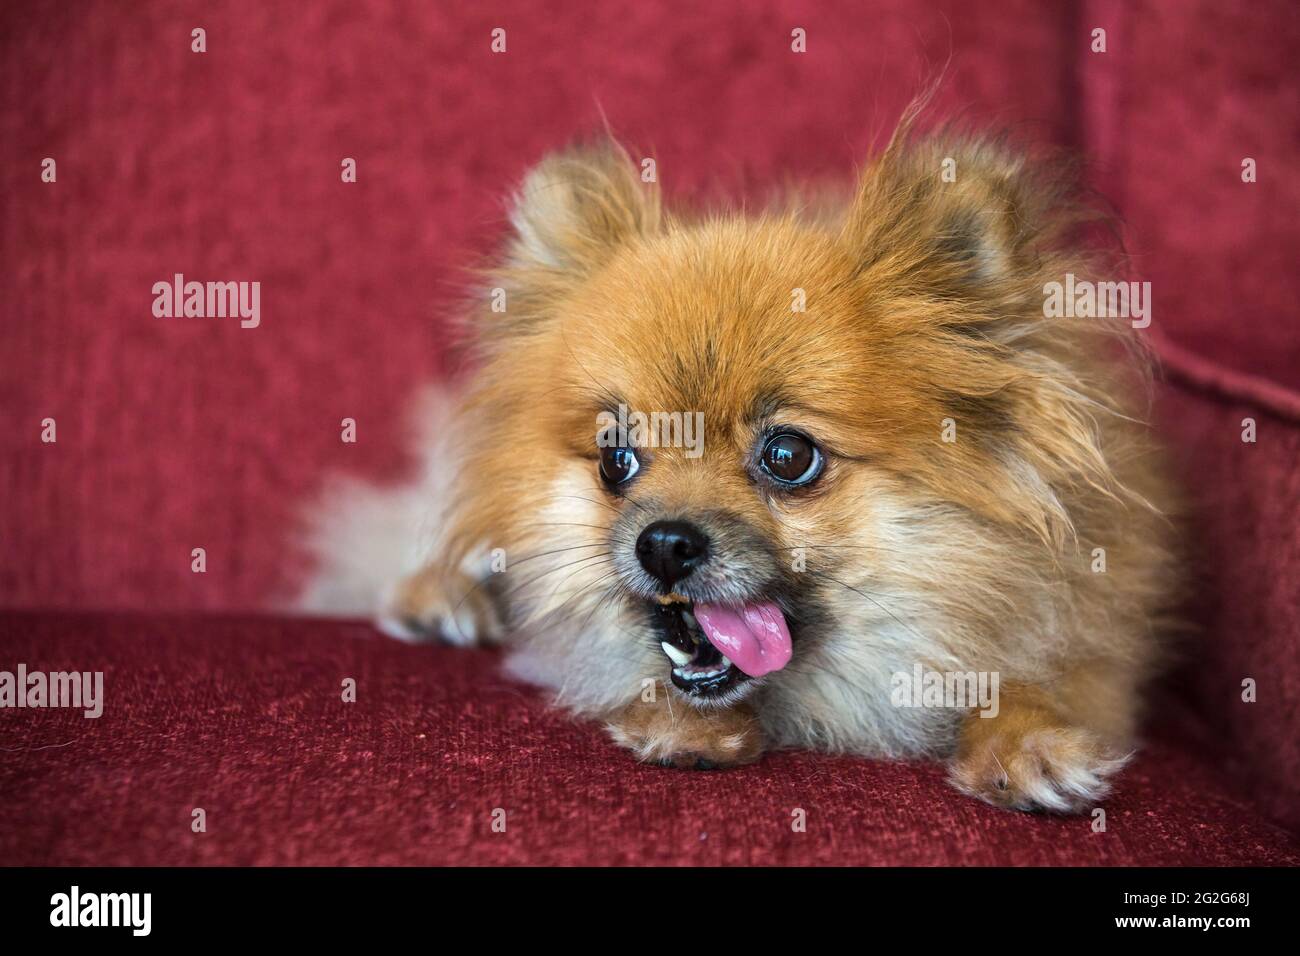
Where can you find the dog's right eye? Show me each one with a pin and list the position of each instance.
(618, 464)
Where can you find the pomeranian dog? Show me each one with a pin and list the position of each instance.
(731, 482)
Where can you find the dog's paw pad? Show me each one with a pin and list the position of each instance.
(690, 761)
(1060, 770)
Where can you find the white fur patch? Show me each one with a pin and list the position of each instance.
(364, 538)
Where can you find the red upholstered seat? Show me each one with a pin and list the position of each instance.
(243, 717)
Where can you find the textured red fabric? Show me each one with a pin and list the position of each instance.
(243, 717)
(1243, 545)
(1185, 92)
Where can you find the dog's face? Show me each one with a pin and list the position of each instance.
(730, 438)
(721, 435)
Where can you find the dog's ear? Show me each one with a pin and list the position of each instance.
(577, 207)
(952, 240)
(954, 217)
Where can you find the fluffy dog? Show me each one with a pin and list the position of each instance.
(902, 468)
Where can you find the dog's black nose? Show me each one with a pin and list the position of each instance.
(670, 550)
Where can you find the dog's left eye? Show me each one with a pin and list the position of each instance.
(791, 459)
(617, 464)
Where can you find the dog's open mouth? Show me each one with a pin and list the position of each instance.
(698, 667)
(712, 646)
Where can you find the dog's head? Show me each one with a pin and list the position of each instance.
(718, 433)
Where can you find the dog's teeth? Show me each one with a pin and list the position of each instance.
(678, 656)
(689, 618)
(726, 662)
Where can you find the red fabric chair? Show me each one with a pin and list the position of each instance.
(175, 434)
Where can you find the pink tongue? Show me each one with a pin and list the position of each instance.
(754, 636)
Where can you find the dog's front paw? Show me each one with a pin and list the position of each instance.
(1059, 769)
(676, 734)
(439, 605)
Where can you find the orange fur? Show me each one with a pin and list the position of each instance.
(685, 737)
